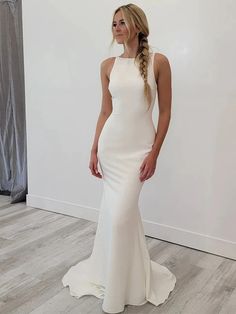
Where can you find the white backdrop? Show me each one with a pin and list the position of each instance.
(191, 199)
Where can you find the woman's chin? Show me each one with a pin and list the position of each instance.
(119, 41)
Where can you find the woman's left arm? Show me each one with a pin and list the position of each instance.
(163, 78)
(163, 73)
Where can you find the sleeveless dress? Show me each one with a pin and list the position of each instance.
(119, 270)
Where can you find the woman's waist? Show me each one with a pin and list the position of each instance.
(131, 117)
(122, 128)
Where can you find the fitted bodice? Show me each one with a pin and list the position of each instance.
(127, 87)
(130, 126)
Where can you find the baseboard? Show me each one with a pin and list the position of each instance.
(194, 240)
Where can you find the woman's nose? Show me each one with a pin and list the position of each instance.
(117, 27)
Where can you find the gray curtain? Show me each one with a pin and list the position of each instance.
(13, 170)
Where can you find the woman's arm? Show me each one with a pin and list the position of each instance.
(106, 107)
(105, 112)
(163, 78)
(163, 74)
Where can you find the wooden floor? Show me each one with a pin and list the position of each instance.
(39, 246)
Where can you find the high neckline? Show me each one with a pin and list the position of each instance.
(131, 58)
(125, 58)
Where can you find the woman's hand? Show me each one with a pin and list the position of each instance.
(93, 164)
(148, 167)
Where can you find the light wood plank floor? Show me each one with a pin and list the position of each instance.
(39, 246)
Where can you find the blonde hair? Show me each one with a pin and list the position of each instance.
(135, 16)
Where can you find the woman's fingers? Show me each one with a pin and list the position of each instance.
(96, 172)
(94, 169)
(143, 172)
(146, 174)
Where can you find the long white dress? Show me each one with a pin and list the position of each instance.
(119, 269)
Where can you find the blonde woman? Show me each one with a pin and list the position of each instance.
(126, 147)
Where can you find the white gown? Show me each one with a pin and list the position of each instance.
(119, 270)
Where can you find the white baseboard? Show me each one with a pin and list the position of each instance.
(194, 240)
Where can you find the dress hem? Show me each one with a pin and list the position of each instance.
(99, 293)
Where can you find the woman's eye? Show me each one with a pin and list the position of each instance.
(122, 23)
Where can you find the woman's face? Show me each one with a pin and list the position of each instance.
(120, 30)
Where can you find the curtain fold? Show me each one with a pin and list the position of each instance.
(13, 155)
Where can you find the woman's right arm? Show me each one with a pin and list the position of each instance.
(106, 109)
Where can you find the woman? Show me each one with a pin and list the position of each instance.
(126, 147)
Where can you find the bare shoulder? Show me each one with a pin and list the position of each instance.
(106, 66)
(161, 63)
(160, 58)
(107, 61)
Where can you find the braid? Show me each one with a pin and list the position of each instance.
(144, 59)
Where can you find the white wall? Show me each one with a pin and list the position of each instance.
(191, 199)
